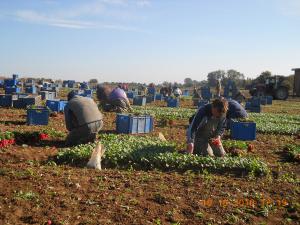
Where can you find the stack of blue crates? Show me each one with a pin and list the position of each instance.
(269, 100)
(173, 102)
(151, 91)
(30, 89)
(128, 124)
(139, 100)
(88, 93)
(248, 105)
(186, 93)
(255, 105)
(24, 101)
(56, 105)
(205, 93)
(159, 97)
(10, 82)
(38, 116)
(150, 98)
(263, 100)
(130, 94)
(6, 100)
(10, 85)
(84, 85)
(245, 131)
(71, 83)
(12, 90)
(48, 95)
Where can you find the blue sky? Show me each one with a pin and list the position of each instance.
(147, 40)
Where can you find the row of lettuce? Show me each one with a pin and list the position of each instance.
(148, 153)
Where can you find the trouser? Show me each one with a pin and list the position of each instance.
(84, 134)
(117, 105)
(206, 148)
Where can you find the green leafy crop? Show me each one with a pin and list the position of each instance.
(140, 152)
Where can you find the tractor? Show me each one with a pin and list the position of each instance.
(273, 86)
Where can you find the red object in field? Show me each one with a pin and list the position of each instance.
(190, 148)
(6, 142)
(49, 222)
(216, 142)
(43, 136)
(250, 148)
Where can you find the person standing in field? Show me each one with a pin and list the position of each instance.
(113, 100)
(218, 88)
(177, 92)
(206, 129)
(83, 119)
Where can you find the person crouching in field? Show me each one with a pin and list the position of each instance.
(206, 129)
(83, 119)
(113, 100)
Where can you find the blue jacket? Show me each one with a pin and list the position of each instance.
(235, 110)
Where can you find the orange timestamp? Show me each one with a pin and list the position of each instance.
(243, 202)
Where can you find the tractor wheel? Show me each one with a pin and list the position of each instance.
(282, 93)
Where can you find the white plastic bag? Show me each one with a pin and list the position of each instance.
(96, 157)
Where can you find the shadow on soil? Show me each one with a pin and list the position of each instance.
(11, 122)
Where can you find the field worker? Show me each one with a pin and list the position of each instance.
(113, 100)
(205, 131)
(218, 88)
(177, 92)
(83, 119)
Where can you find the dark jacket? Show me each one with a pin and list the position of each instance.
(81, 111)
(200, 120)
(235, 110)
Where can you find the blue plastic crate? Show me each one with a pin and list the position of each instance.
(10, 82)
(84, 85)
(19, 104)
(6, 100)
(130, 94)
(55, 105)
(167, 98)
(255, 109)
(48, 95)
(38, 116)
(159, 97)
(11, 90)
(88, 92)
(263, 100)
(139, 100)
(205, 93)
(151, 91)
(269, 100)
(202, 103)
(173, 102)
(245, 131)
(30, 90)
(24, 102)
(150, 98)
(248, 105)
(71, 83)
(186, 93)
(255, 101)
(127, 124)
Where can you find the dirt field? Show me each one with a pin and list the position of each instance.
(34, 191)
